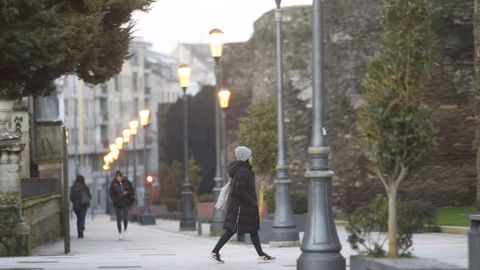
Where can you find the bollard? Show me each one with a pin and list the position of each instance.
(199, 227)
(474, 243)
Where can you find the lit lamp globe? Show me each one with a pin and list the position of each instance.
(133, 127)
(216, 41)
(109, 158)
(224, 98)
(144, 117)
(126, 135)
(184, 72)
(106, 167)
(115, 154)
(112, 147)
(119, 143)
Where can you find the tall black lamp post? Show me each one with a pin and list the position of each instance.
(284, 232)
(146, 218)
(115, 153)
(187, 222)
(126, 139)
(133, 131)
(320, 246)
(119, 145)
(108, 159)
(216, 49)
(224, 98)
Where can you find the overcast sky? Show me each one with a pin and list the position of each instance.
(172, 21)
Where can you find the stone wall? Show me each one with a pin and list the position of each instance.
(352, 37)
(43, 215)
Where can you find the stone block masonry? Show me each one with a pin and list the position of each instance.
(352, 38)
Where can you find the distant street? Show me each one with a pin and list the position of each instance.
(163, 247)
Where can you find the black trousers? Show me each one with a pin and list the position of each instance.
(81, 215)
(228, 234)
(122, 215)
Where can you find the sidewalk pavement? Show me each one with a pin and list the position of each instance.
(162, 246)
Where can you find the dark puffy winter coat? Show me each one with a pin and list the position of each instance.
(117, 195)
(77, 191)
(242, 212)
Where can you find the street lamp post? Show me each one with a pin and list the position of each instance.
(133, 131)
(119, 144)
(284, 232)
(146, 218)
(126, 139)
(320, 246)
(187, 222)
(224, 98)
(216, 49)
(115, 153)
(106, 168)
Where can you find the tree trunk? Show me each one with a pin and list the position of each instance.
(392, 223)
(477, 84)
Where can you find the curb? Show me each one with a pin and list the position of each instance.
(453, 229)
(438, 229)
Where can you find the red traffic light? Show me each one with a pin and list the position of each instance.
(149, 179)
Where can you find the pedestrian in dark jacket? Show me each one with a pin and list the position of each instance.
(242, 212)
(80, 197)
(122, 195)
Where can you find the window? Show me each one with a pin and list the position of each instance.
(65, 108)
(103, 106)
(85, 107)
(99, 197)
(135, 107)
(117, 86)
(147, 80)
(134, 59)
(140, 157)
(104, 88)
(104, 133)
(96, 163)
(134, 82)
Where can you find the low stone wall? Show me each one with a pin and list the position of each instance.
(366, 263)
(43, 215)
(14, 232)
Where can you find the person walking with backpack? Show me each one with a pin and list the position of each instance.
(242, 214)
(122, 195)
(80, 197)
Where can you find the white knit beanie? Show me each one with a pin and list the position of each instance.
(243, 153)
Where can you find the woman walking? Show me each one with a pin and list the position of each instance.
(122, 195)
(80, 197)
(242, 212)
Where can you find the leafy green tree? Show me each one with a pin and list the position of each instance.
(396, 131)
(194, 174)
(258, 131)
(41, 40)
(170, 178)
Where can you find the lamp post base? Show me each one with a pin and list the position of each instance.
(188, 225)
(216, 228)
(187, 221)
(320, 260)
(284, 237)
(216, 224)
(148, 219)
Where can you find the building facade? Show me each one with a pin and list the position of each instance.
(96, 115)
